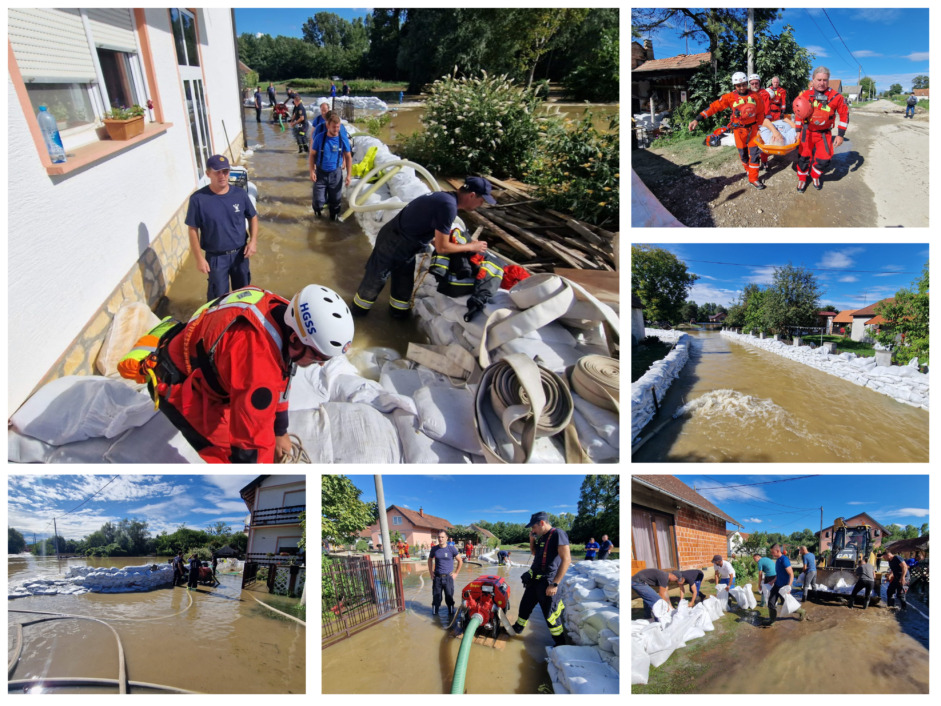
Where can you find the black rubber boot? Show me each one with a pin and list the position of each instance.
(818, 185)
(517, 628)
(450, 611)
(358, 310)
(559, 640)
(318, 213)
(434, 610)
(801, 187)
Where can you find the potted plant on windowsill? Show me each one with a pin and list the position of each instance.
(124, 123)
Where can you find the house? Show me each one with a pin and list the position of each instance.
(106, 227)
(835, 83)
(852, 92)
(274, 528)
(825, 536)
(842, 323)
(718, 318)
(862, 317)
(921, 93)
(825, 320)
(637, 320)
(673, 526)
(664, 80)
(735, 541)
(417, 528)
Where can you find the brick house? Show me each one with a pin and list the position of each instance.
(862, 318)
(825, 320)
(673, 526)
(418, 528)
(825, 536)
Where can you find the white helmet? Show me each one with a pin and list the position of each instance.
(755, 77)
(739, 77)
(321, 319)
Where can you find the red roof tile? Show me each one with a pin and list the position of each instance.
(673, 486)
(826, 313)
(683, 61)
(871, 309)
(921, 92)
(844, 317)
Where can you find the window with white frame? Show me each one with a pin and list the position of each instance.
(78, 63)
(396, 520)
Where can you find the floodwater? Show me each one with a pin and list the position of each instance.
(223, 643)
(414, 652)
(748, 404)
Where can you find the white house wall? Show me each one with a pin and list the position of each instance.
(73, 238)
(268, 540)
(271, 493)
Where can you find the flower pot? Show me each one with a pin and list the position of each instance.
(124, 129)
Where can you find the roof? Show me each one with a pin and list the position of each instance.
(921, 92)
(482, 532)
(876, 320)
(675, 488)
(826, 313)
(860, 515)
(743, 535)
(908, 545)
(248, 492)
(836, 84)
(844, 317)
(715, 317)
(423, 520)
(852, 89)
(870, 310)
(683, 61)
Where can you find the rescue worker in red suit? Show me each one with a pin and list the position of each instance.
(749, 111)
(816, 139)
(223, 377)
(777, 98)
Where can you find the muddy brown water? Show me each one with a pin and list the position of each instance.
(414, 652)
(225, 643)
(753, 405)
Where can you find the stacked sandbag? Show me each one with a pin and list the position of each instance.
(653, 641)
(580, 670)
(590, 592)
(648, 391)
(358, 102)
(82, 579)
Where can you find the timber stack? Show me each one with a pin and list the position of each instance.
(522, 231)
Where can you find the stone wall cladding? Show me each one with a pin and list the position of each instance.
(657, 380)
(699, 537)
(902, 383)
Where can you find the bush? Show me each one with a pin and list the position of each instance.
(746, 570)
(477, 125)
(374, 123)
(578, 170)
(597, 79)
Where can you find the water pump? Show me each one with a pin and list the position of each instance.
(483, 598)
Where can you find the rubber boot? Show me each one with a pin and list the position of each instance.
(450, 611)
(559, 640)
(434, 610)
(517, 628)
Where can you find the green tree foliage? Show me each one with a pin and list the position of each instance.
(661, 282)
(894, 533)
(867, 86)
(507, 532)
(343, 514)
(577, 170)
(563, 521)
(16, 542)
(219, 529)
(599, 509)
(533, 30)
(757, 542)
(895, 89)
(924, 530)
(792, 299)
(584, 57)
(382, 55)
(906, 326)
(690, 311)
(753, 301)
(920, 82)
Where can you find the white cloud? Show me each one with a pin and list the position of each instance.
(839, 259)
(721, 493)
(702, 293)
(259, 35)
(849, 278)
(707, 277)
(753, 520)
(917, 56)
(818, 52)
(877, 15)
(908, 512)
(860, 502)
(762, 275)
(865, 53)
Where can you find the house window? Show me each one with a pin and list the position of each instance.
(69, 103)
(653, 538)
(876, 533)
(184, 36)
(396, 520)
(827, 534)
(117, 72)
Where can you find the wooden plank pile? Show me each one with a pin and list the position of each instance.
(526, 233)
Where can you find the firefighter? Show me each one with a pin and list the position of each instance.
(552, 557)
(815, 125)
(441, 561)
(479, 274)
(223, 377)
(777, 99)
(749, 112)
(428, 218)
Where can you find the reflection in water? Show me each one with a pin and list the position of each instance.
(224, 643)
(738, 403)
(414, 653)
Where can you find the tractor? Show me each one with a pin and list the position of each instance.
(851, 546)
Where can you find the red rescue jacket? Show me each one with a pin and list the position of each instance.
(777, 103)
(827, 107)
(736, 103)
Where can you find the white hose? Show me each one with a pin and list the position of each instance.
(385, 205)
(296, 620)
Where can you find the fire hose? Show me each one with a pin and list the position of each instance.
(460, 667)
(596, 378)
(392, 168)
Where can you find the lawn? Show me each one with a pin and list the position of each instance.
(844, 345)
(646, 355)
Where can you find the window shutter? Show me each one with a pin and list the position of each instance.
(112, 28)
(50, 45)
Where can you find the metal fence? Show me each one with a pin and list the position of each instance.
(358, 593)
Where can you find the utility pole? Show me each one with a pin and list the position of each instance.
(55, 536)
(820, 542)
(383, 520)
(751, 41)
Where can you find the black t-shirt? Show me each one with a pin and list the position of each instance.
(299, 112)
(547, 558)
(895, 564)
(652, 577)
(692, 576)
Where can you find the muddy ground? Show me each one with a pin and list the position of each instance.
(834, 651)
(877, 178)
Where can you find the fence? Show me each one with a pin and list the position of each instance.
(358, 593)
(280, 579)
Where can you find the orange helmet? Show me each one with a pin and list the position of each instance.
(802, 108)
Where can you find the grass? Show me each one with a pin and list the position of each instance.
(901, 100)
(645, 355)
(357, 85)
(844, 345)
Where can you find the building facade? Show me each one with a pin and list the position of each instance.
(105, 228)
(273, 525)
(825, 536)
(417, 528)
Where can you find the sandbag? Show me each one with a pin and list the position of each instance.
(741, 598)
(640, 661)
(752, 603)
(418, 447)
(661, 611)
(370, 361)
(341, 432)
(791, 604)
(446, 415)
(130, 322)
(722, 595)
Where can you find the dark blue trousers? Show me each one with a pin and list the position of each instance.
(328, 189)
(224, 267)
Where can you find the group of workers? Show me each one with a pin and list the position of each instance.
(595, 551)
(816, 111)
(189, 570)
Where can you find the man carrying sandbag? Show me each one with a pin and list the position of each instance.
(766, 574)
(646, 580)
(784, 577)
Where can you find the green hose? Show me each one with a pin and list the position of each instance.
(460, 668)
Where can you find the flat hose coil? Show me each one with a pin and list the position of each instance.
(597, 379)
(506, 391)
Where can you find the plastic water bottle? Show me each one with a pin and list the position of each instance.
(50, 133)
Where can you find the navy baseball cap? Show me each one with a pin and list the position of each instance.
(537, 517)
(218, 162)
(479, 186)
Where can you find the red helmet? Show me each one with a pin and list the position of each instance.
(747, 113)
(802, 108)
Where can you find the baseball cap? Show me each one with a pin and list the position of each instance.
(479, 186)
(537, 517)
(218, 162)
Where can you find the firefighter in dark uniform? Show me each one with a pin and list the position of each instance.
(552, 557)
(441, 567)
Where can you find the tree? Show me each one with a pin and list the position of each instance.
(895, 89)
(384, 43)
(533, 28)
(343, 514)
(920, 82)
(792, 300)
(563, 521)
(16, 542)
(924, 530)
(757, 542)
(754, 308)
(906, 322)
(690, 311)
(219, 529)
(599, 509)
(661, 282)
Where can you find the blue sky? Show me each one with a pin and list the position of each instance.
(891, 44)
(163, 501)
(464, 499)
(286, 21)
(794, 505)
(850, 275)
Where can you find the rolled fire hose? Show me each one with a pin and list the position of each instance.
(596, 378)
(460, 667)
(394, 167)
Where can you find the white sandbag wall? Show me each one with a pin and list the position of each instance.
(358, 102)
(902, 383)
(648, 391)
(82, 579)
(591, 593)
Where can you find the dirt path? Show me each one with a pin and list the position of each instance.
(878, 177)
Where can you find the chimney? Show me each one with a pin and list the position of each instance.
(648, 48)
(421, 513)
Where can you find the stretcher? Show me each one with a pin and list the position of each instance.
(779, 149)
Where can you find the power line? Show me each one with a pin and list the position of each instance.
(812, 269)
(841, 39)
(748, 485)
(90, 497)
(825, 38)
(757, 497)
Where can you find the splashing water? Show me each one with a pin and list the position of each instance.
(721, 404)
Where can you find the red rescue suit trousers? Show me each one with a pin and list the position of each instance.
(814, 153)
(747, 140)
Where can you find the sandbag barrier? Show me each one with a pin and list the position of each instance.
(649, 390)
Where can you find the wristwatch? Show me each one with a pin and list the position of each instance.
(553, 583)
